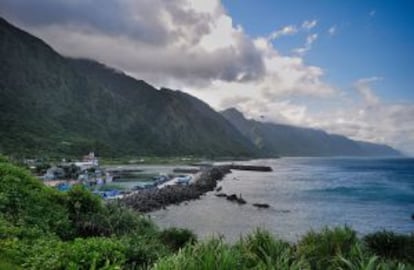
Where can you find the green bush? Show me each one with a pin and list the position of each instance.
(42, 253)
(212, 254)
(52, 253)
(177, 238)
(143, 250)
(390, 245)
(3, 159)
(5, 264)
(86, 211)
(123, 221)
(321, 249)
(261, 250)
(97, 252)
(26, 202)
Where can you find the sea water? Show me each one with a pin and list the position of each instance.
(305, 193)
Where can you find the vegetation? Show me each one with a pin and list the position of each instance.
(174, 160)
(391, 245)
(41, 228)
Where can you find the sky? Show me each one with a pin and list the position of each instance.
(343, 66)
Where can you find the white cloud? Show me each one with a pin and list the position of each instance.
(310, 39)
(364, 88)
(285, 31)
(211, 6)
(332, 30)
(308, 25)
(391, 124)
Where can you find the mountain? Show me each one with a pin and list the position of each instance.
(54, 104)
(284, 140)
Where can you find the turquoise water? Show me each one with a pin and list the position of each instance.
(304, 194)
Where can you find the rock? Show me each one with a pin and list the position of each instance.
(261, 205)
(219, 188)
(221, 195)
(412, 216)
(232, 197)
(240, 200)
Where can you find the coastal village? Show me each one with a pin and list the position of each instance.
(107, 181)
(143, 187)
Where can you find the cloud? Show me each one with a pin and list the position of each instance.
(382, 123)
(363, 86)
(372, 13)
(310, 39)
(332, 30)
(308, 25)
(285, 31)
(162, 41)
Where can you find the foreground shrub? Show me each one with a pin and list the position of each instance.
(26, 202)
(213, 254)
(143, 250)
(261, 250)
(123, 221)
(52, 253)
(5, 264)
(322, 249)
(390, 245)
(97, 252)
(362, 260)
(177, 238)
(3, 159)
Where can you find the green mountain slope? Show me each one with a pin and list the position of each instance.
(276, 139)
(52, 104)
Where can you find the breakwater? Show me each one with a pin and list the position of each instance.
(152, 199)
(250, 168)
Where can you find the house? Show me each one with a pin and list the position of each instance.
(88, 161)
(54, 173)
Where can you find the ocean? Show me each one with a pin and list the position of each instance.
(304, 193)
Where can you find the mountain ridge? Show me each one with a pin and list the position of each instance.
(286, 140)
(54, 104)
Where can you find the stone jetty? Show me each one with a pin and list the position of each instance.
(250, 168)
(152, 199)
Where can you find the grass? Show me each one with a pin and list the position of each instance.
(150, 160)
(136, 177)
(391, 245)
(107, 187)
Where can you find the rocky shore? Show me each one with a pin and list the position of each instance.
(153, 199)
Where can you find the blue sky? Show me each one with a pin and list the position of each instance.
(372, 38)
(346, 67)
